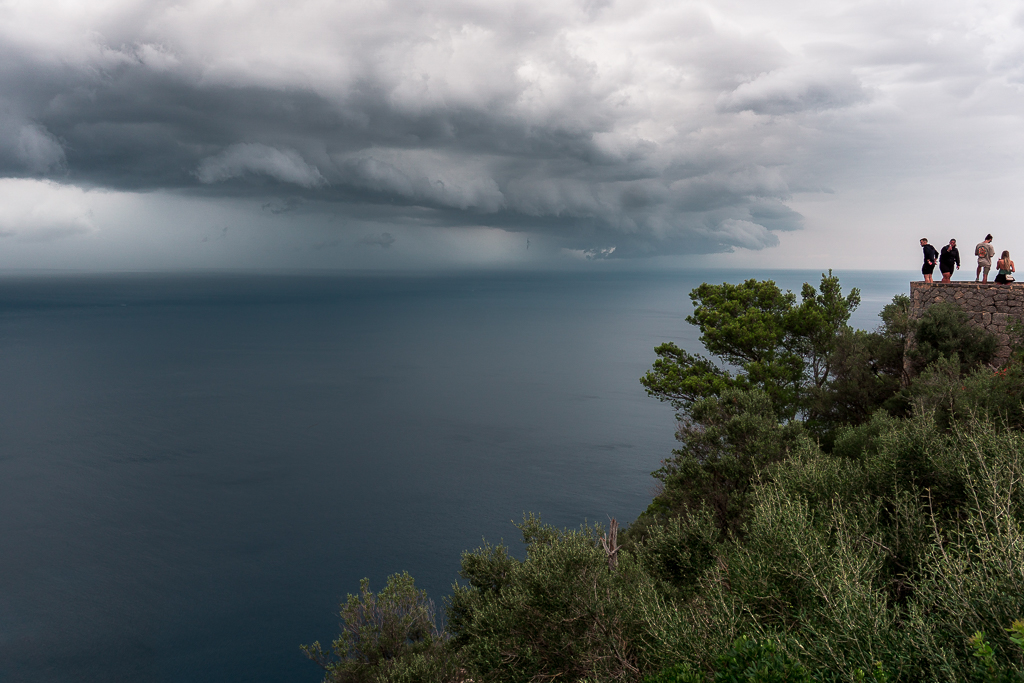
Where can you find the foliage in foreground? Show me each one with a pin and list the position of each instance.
(883, 566)
(746, 660)
(386, 636)
(801, 535)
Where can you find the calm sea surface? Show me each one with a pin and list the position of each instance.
(195, 469)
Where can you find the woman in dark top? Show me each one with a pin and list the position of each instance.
(1005, 266)
(930, 257)
(947, 257)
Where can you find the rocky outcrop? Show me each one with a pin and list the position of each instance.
(991, 307)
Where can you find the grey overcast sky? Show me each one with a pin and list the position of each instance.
(146, 134)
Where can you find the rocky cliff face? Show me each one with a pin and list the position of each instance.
(991, 307)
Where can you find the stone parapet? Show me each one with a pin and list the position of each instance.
(990, 306)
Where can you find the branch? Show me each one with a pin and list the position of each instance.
(609, 542)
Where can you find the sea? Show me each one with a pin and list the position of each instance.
(197, 468)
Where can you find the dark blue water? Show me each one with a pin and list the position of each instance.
(195, 469)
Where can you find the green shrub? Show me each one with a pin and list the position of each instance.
(973, 576)
(560, 613)
(750, 661)
(387, 636)
(987, 668)
(943, 330)
(866, 373)
(679, 552)
(855, 442)
(726, 440)
(747, 661)
(677, 673)
(956, 396)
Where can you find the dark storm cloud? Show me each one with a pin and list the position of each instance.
(616, 129)
(503, 125)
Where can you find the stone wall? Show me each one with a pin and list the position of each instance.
(991, 307)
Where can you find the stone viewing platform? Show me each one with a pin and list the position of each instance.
(991, 307)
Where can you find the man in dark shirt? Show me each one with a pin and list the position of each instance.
(930, 258)
(947, 257)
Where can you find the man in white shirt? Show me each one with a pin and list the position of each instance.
(984, 251)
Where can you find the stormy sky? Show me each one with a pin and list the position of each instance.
(395, 134)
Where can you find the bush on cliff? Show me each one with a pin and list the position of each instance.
(836, 529)
(391, 636)
(890, 560)
(944, 331)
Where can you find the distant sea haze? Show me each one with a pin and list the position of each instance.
(195, 469)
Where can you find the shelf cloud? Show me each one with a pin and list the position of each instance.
(614, 129)
(247, 157)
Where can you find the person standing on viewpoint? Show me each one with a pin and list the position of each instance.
(947, 257)
(930, 257)
(984, 251)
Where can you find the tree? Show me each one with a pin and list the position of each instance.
(560, 614)
(775, 344)
(945, 331)
(382, 634)
(731, 426)
(726, 440)
(866, 373)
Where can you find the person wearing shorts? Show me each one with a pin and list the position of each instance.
(931, 257)
(984, 251)
(949, 256)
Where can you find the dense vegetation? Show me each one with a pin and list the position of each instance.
(839, 509)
